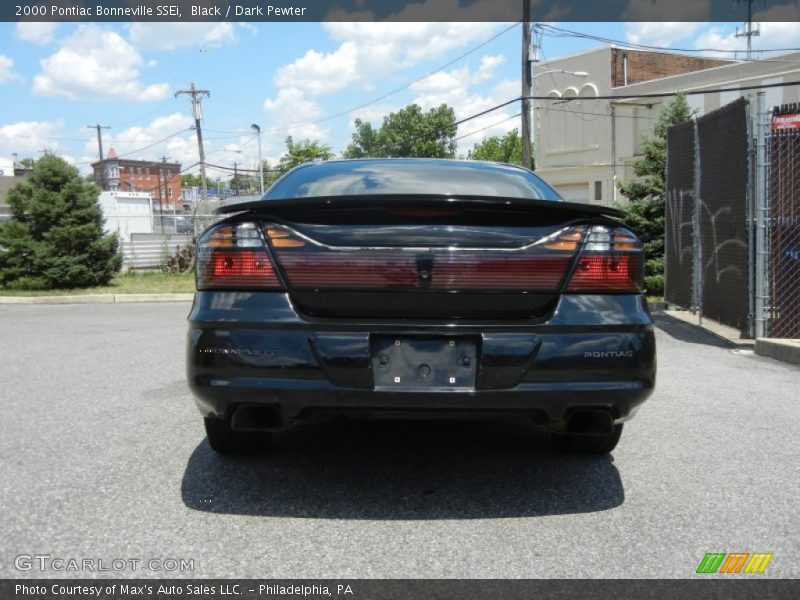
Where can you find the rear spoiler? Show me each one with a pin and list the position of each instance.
(493, 203)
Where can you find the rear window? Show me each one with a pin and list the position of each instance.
(399, 177)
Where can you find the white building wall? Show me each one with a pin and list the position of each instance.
(126, 213)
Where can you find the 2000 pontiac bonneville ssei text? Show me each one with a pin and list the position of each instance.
(396, 287)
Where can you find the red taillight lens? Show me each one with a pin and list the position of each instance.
(234, 257)
(611, 261)
(607, 273)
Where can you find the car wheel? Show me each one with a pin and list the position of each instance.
(225, 440)
(586, 443)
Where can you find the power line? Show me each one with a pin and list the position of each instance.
(561, 32)
(466, 135)
(161, 141)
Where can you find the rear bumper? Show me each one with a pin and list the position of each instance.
(255, 349)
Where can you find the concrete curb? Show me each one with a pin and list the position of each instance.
(779, 349)
(97, 298)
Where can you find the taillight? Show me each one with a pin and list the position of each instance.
(234, 256)
(611, 261)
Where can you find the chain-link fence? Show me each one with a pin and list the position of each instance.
(733, 217)
(783, 230)
(706, 245)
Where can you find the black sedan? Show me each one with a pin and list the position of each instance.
(413, 287)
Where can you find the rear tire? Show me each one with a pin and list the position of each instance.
(577, 443)
(225, 440)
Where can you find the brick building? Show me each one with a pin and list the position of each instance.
(159, 179)
(636, 66)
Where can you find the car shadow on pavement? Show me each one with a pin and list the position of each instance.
(403, 470)
(686, 332)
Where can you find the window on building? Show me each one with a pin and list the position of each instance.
(169, 192)
(598, 190)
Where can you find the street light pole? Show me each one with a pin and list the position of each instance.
(257, 129)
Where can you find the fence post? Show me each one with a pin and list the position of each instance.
(761, 208)
(750, 218)
(697, 246)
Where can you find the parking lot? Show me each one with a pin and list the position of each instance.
(103, 456)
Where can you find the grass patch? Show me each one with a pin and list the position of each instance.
(130, 282)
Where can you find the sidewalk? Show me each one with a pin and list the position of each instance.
(785, 350)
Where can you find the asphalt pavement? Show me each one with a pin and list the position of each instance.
(103, 457)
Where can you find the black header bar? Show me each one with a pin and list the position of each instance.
(396, 10)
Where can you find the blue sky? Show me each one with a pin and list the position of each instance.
(57, 79)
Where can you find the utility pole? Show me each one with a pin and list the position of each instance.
(161, 175)
(748, 31)
(526, 84)
(99, 127)
(235, 179)
(257, 129)
(197, 109)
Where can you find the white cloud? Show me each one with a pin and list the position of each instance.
(368, 51)
(36, 32)
(294, 112)
(412, 42)
(254, 31)
(350, 65)
(373, 113)
(772, 35)
(26, 138)
(169, 36)
(461, 78)
(659, 34)
(6, 69)
(96, 63)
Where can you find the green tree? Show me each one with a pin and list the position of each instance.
(27, 163)
(647, 192)
(506, 149)
(303, 152)
(409, 132)
(55, 237)
(191, 180)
